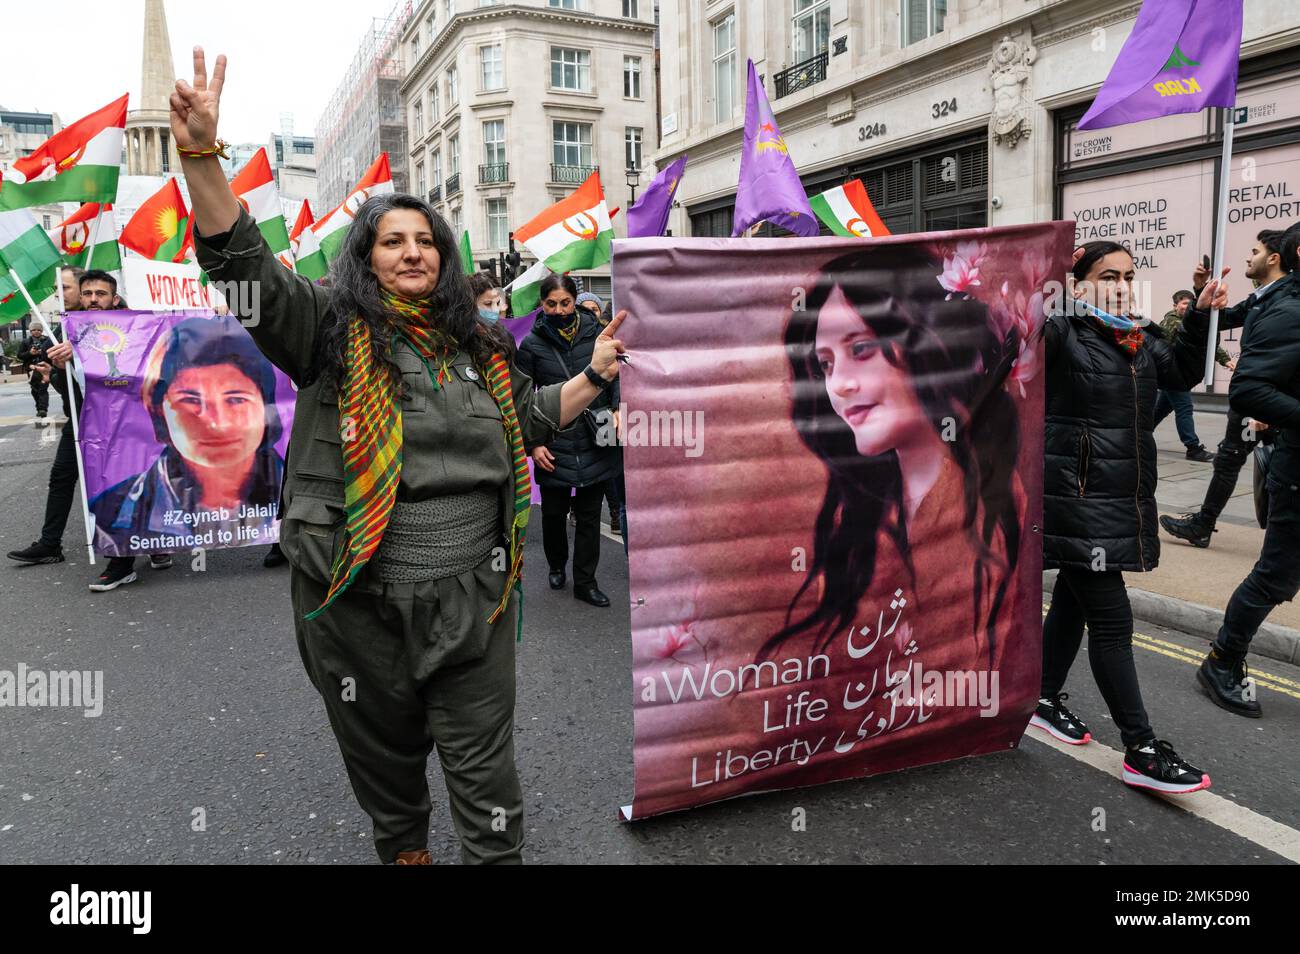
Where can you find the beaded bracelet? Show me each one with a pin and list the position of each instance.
(218, 150)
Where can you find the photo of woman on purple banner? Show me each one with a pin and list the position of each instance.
(210, 395)
(900, 388)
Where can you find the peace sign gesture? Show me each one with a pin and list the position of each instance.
(604, 356)
(194, 107)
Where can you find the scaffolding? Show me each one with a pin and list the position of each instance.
(365, 116)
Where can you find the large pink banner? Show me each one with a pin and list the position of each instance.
(833, 452)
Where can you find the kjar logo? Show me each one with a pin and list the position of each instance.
(1178, 60)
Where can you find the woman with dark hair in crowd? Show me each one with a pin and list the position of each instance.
(211, 397)
(406, 494)
(891, 383)
(487, 297)
(1104, 366)
(577, 463)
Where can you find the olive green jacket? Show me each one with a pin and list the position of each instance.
(1172, 321)
(453, 438)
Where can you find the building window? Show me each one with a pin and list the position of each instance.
(453, 88)
(417, 121)
(46, 223)
(435, 105)
(632, 147)
(724, 68)
(457, 222)
(493, 69)
(419, 179)
(812, 28)
(453, 156)
(571, 69)
(630, 9)
(431, 22)
(448, 10)
(922, 18)
(415, 47)
(435, 164)
(566, 4)
(632, 77)
(572, 144)
(498, 221)
(494, 142)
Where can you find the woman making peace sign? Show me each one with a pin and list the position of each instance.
(406, 493)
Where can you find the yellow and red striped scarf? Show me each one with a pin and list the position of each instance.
(370, 421)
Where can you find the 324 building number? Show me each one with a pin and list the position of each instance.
(944, 108)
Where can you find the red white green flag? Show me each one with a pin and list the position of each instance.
(93, 222)
(846, 210)
(255, 190)
(79, 163)
(315, 253)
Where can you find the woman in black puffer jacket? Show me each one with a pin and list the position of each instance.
(1104, 367)
(584, 457)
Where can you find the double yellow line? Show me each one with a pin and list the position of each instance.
(1264, 680)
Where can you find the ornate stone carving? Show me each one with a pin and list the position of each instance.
(1009, 71)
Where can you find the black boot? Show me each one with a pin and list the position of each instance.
(556, 579)
(1223, 676)
(590, 594)
(1197, 452)
(1191, 527)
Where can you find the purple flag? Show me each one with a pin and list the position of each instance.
(1180, 58)
(769, 188)
(520, 325)
(648, 217)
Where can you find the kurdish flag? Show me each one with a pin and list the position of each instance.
(27, 251)
(1181, 57)
(573, 234)
(161, 229)
(466, 254)
(525, 291)
(77, 164)
(846, 210)
(315, 254)
(93, 222)
(300, 225)
(255, 189)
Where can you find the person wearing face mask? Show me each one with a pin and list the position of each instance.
(573, 468)
(487, 297)
(614, 491)
(1104, 366)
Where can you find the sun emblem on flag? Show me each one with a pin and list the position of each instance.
(768, 139)
(167, 223)
(584, 226)
(353, 202)
(67, 162)
(74, 237)
(858, 227)
(108, 340)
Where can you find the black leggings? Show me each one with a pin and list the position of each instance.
(1099, 600)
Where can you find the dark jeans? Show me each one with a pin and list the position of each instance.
(586, 536)
(1276, 576)
(41, 394)
(1180, 402)
(1099, 600)
(63, 487)
(1234, 451)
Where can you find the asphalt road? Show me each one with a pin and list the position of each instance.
(207, 707)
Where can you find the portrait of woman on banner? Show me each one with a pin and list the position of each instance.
(902, 385)
(210, 395)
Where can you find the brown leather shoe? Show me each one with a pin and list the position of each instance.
(420, 857)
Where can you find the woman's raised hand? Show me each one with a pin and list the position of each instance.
(604, 356)
(194, 107)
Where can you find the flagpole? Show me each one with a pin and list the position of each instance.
(1220, 239)
(90, 245)
(72, 413)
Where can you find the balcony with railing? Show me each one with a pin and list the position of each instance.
(435, 193)
(801, 75)
(572, 175)
(494, 172)
(453, 185)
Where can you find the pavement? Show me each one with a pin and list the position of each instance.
(209, 718)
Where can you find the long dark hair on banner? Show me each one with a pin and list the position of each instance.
(956, 365)
(354, 290)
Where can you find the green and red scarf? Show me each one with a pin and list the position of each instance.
(370, 420)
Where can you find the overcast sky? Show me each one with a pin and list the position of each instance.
(73, 56)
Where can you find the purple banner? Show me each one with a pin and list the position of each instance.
(183, 432)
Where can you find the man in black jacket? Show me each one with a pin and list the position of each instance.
(1264, 267)
(1265, 386)
(34, 354)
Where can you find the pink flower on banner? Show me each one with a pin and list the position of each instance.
(673, 640)
(961, 270)
(903, 637)
(1024, 367)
